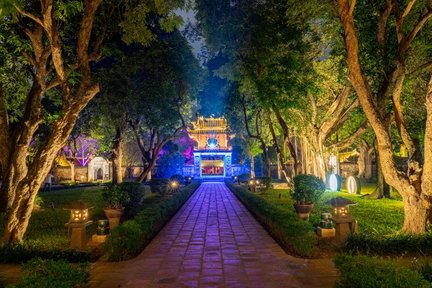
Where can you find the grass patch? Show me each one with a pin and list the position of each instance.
(129, 238)
(364, 272)
(47, 237)
(379, 223)
(294, 235)
(49, 273)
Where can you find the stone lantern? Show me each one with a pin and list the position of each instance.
(78, 222)
(345, 223)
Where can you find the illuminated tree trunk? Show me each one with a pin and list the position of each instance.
(414, 185)
(22, 179)
(364, 161)
(281, 164)
(72, 171)
(252, 164)
(117, 155)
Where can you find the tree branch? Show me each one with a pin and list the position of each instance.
(382, 26)
(4, 132)
(334, 113)
(29, 15)
(420, 68)
(346, 143)
(407, 42)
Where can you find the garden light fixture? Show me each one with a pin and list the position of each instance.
(353, 185)
(334, 182)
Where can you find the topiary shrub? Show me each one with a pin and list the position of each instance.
(307, 189)
(115, 197)
(364, 272)
(135, 191)
(159, 185)
(53, 274)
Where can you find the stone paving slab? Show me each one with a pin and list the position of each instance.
(213, 241)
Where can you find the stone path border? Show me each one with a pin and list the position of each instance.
(213, 241)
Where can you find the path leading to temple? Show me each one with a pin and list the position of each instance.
(213, 241)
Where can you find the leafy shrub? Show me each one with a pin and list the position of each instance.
(159, 185)
(56, 274)
(396, 244)
(115, 197)
(295, 236)
(125, 241)
(24, 252)
(365, 272)
(179, 178)
(244, 177)
(424, 267)
(266, 181)
(307, 189)
(130, 238)
(170, 164)
(136, 192)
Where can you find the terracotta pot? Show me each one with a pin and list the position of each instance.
(113, 215)
(303, 210)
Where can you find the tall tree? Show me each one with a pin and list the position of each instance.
(400, 50)
(61, 39)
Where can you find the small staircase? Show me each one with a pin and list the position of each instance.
(214, 179)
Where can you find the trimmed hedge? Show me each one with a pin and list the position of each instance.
(398, 244)
(365, 272)
(54, 274)
(129, 239)
(295, 236)
(23, 252)
(159, 185)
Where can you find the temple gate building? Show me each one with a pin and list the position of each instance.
(212, 153)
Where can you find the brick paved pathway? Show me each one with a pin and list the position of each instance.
(213, 241)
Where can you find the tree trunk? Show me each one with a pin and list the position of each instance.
(287, 140)
(417, 214)
(23, 179)
(414, 185)
(361, 161)
(252, 164)
(279, 168)
(72, 171)
(280, 160)
(117, 157)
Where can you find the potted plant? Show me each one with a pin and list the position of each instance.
(114, 198)
(307, 190)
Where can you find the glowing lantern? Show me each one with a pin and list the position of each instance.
(334, 182)
(174, 185)
(79, 212)
(353, 185)
(252, 185)
(78, 222)
(340, 208)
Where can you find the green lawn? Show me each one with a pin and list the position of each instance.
(377, 217)
(47, 226)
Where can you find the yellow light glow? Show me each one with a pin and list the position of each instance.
(78, 215)
(257, 182)
(251, 182)
(174, 184)
(341, 212)
(333, 182)
(352, 185)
